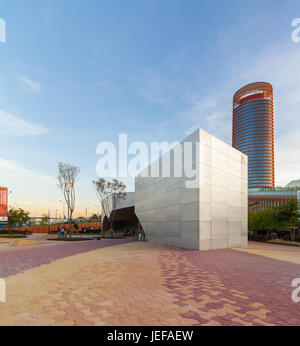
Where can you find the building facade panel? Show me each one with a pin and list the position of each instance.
(208, 215)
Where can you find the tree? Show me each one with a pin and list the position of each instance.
(285, 217)
(109, 194)
(288, 216)
(17, 217)
(67, 175)
(262, 220)
(45, 219)
(76, 226)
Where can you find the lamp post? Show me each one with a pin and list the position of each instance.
(49, 231)
(9, 194)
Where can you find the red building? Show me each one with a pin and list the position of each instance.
(260, 199)
(3, 205)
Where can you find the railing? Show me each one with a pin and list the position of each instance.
(53, 228)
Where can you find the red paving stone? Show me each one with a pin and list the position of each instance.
(16, 260)
(261, 279)
(146, 284)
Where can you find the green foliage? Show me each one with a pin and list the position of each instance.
(284, 242)
(17, 217)
(271, 219)
(288, 215)
(263, 220)
(10, 235)
(75, 225)
(45, 220)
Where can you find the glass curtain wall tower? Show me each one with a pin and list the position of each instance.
(253, 131)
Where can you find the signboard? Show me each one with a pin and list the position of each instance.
(3, 204)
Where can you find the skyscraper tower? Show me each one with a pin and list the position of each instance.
(253, 131)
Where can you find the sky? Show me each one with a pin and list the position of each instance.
(76, 73)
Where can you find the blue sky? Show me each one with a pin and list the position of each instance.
(76, 73)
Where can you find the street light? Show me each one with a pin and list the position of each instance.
(9, 194)
(49, 229)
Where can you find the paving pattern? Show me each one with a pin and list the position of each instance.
(279, 252)
(15, 260)
(138, 283)
(21, 242)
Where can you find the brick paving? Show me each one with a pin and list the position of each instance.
(16, 260)
(139, 283)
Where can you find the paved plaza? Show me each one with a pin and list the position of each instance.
(121, 282)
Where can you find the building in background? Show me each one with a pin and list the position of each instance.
(3, 206)
(253, 132)
(260, 199)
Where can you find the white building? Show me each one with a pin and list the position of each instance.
(209, 213)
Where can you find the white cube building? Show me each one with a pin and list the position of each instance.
(204, 210)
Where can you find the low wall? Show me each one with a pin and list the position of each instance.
(53, 228)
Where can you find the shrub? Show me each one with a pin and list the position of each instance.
(12, 235)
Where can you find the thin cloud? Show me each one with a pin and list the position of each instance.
(10, 125)
(30, 84)
(108, 85)
(10, 169)
(154, 87)
(209, 115)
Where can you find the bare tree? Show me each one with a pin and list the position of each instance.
(109, 194)
(67, 175)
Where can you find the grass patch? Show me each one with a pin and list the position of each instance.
(284, 242)
(12, 236)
